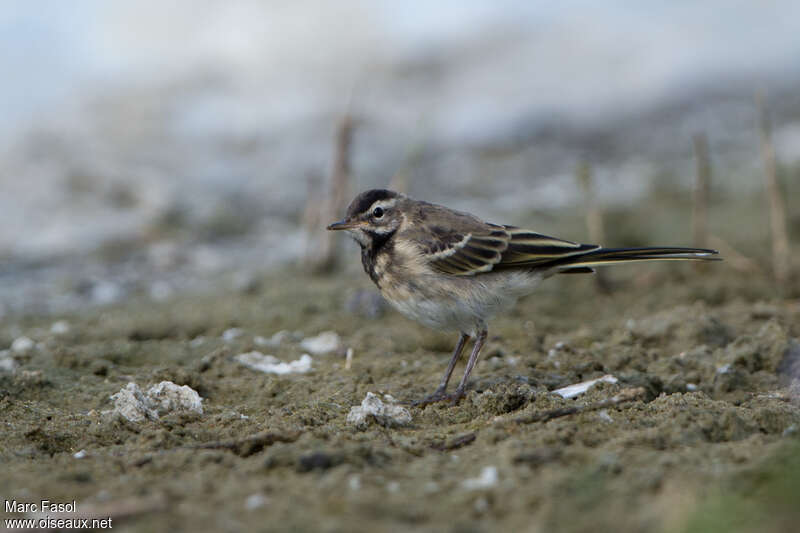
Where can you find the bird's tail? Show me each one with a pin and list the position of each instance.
(586, 262)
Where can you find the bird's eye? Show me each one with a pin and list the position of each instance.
(377, 212)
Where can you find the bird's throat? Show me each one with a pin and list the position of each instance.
(379, 243)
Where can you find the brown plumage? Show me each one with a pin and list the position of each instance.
(450, 270)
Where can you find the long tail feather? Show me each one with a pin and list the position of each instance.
(605, 256)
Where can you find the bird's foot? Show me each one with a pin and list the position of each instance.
(438, 396)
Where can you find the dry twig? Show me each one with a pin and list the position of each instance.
(701, 191)
(249, 445)
(455, 443)
(734, 257)
(332, 207)
(594, 218)
(624, 396)
(777, 210)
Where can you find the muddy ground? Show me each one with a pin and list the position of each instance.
(710, 440)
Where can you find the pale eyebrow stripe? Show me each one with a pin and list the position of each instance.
(383, 203)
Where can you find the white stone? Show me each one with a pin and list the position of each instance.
(272, 365)
(231, 334)
(7, 363)
(571, 391)
(372, 408)
(136, 406)
(106, 292)
(167, 396)
(22, 345)
(604, 416)
(486, 480)
(197, 341)
(60, 327)
(274, 341)
(80, 454)
(132, 404)
(255, 501)
(325, 342)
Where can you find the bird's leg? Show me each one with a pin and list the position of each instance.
(473, 358)
(438, 394)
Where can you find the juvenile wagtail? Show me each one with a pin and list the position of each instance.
(450, 270)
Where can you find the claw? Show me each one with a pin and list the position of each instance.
(438, 396)
(455, 397)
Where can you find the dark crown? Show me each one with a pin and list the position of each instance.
(364, 201)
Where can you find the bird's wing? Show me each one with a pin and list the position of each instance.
(488, 247)
(465, 253)
(527, 248)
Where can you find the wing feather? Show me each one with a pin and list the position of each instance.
(467, 253)
(490, 247)
(460, 244)
(527, 248)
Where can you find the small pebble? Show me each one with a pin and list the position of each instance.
(373, 409)
(255, 501)
(325, 342)
(272, 365)
(571, 391)
(197, 341)
(604, 416)
(7, 364)
(487, 479)
(105, 292)
(273, 342)
(22, 345)
(136, 405)
(60, 327)
(230, 334)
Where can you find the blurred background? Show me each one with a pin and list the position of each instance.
(149, 148)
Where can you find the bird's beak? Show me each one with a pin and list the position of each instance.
(344, 224)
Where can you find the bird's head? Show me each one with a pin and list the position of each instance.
(372, 215)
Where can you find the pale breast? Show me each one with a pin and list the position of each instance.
(460, 303)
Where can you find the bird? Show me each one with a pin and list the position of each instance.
(451, 271)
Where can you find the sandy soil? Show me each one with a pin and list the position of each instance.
(709, 442)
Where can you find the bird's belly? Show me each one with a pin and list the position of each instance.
(438, 314)
(459, 303)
